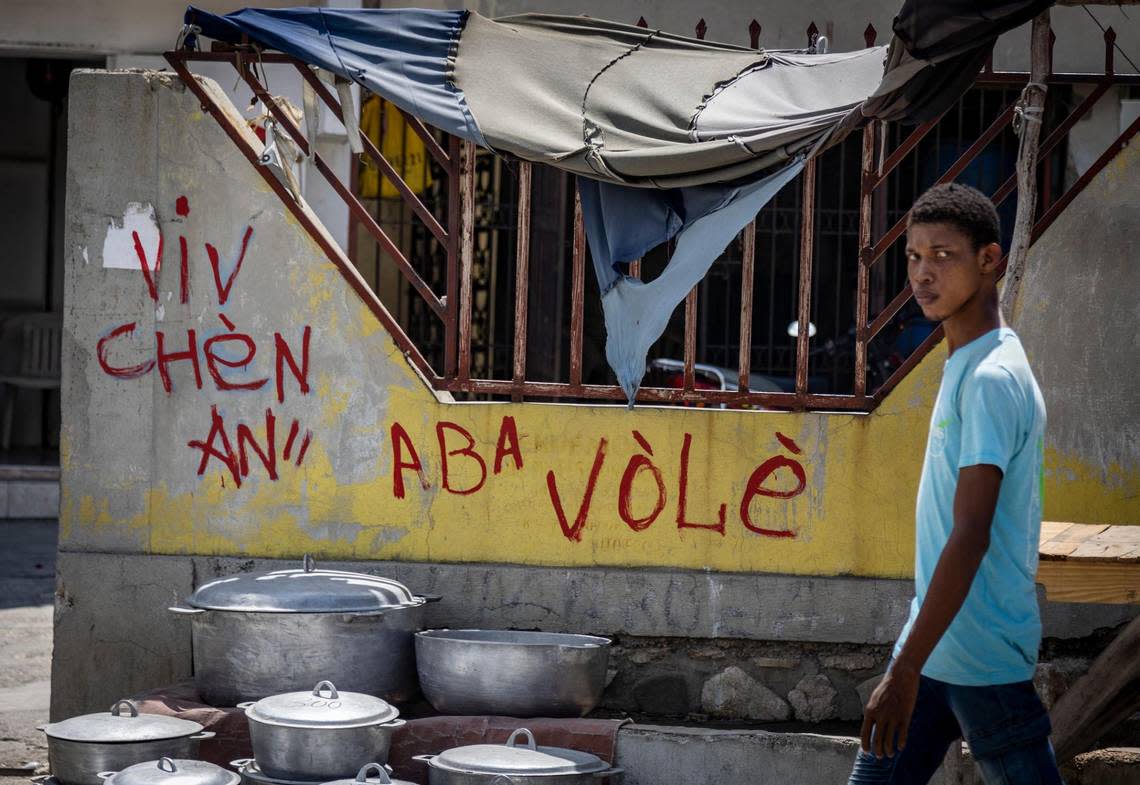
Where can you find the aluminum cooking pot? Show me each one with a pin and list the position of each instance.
(252, 775)
(171, 771)
(320, 734)
(380, 777)
(515, 764)
(514, 674)
(256, 635)
(81, 747)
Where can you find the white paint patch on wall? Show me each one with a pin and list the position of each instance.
(119, 246)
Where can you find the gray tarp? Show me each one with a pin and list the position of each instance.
(623, 104)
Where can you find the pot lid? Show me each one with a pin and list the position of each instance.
(518, 758)
(122, 723)
(321, 707)
(305, 590)
(371, 774)
(172, 771)
(248, 768)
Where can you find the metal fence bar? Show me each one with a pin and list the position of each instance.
(577, 292)
(899, 153)
(444, 159)
(690, 337)
(389, 171)
(451, 299)
(358, 210)
(772, 400)
(863, 271)
(1054, 138)
(889, 312)
(465, 221)
(522, 268)
(807, 241)
(747, 273)
(1058, 206)
(1042, 224)
(964, 160)
(240, 139)
(455, 307)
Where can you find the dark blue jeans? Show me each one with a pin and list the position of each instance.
(1005, 725)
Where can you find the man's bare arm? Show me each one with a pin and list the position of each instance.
(890, 707)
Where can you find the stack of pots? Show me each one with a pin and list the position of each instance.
(262, 641)
(316, 735)
(256, 635)
(80, 748)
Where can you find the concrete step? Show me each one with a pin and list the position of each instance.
(672, 755)
(29, 492)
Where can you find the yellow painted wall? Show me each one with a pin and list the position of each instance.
(853, 514)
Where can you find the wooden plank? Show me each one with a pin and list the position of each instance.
(1061, 545)
(1050, 529)
(1084, 580)
(1116, 543)
(1099, 700)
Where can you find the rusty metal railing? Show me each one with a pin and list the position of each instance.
(453, 307)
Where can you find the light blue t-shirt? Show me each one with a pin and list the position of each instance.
(989, 411)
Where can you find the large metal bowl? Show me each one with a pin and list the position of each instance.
(517, 674)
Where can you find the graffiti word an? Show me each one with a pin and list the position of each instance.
(234, 454)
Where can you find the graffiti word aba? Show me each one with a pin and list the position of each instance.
(779, 477)
(227, 355)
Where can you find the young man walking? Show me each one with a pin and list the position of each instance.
(963, 664)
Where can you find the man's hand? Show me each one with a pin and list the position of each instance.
(889, 710)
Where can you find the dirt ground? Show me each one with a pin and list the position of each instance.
(27, 587)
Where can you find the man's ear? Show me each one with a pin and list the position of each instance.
(988, 258)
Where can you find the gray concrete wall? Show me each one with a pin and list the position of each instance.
(678, 638)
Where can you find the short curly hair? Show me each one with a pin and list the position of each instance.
(961, 206)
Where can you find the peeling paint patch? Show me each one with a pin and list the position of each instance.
(119, 251)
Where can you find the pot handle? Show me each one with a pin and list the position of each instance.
(119, 704)
(396, 723)
(241, 763)
(529, 738)
(203, 735)
(381, 775)
(245, 705)
(105, 775)
(167, 765)
(327, 685)
(182, 609)
(612, 771)
(431, 597)
(423, 758)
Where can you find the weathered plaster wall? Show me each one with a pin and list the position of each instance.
(200, 434)
(1079, 317)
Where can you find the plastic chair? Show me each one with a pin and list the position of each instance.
(36, 339)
